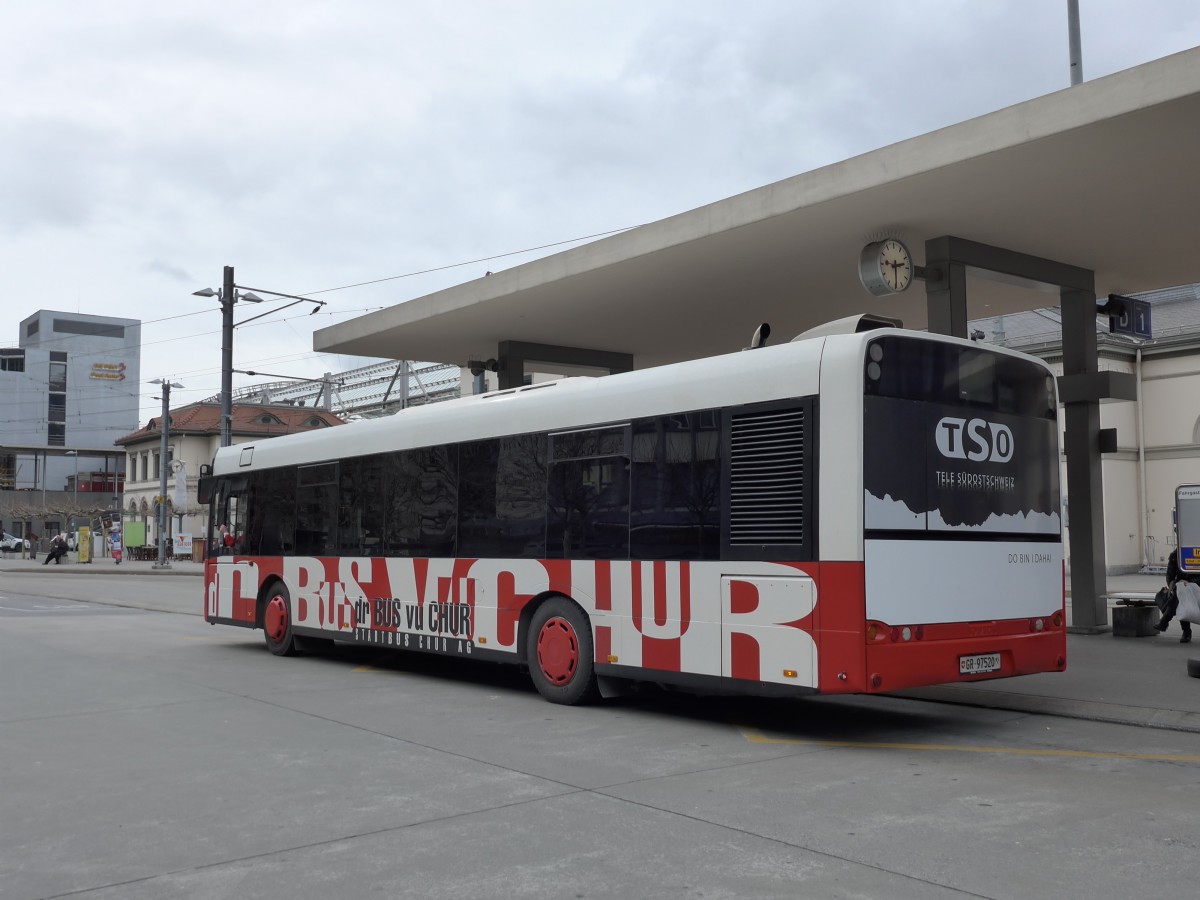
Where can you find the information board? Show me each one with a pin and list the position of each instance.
(1187, 526)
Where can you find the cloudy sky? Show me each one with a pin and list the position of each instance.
(318, 146)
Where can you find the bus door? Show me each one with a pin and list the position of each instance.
(227, 517)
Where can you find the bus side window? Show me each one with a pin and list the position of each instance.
(588, 509)
(675, 510)
(272, 512)
(317, 509)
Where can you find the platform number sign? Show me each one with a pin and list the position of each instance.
(1187, 526)
(1128, 316)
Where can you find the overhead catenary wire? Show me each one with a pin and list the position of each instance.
(64, 341)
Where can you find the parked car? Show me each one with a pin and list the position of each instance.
(13, 543)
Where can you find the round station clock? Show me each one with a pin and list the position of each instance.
(885, 267)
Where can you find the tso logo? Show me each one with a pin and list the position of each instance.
(974, 439)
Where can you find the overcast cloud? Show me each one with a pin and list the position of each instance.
(145, 145)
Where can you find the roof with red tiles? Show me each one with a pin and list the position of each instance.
(249, 419)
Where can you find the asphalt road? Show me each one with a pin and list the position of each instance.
(146, 754)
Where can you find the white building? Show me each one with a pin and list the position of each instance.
(70, 389)
(1158, 436)
(193, 437)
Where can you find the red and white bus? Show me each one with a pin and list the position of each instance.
(854, 511)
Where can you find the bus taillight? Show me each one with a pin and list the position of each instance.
(1040, 624)
(877, 631)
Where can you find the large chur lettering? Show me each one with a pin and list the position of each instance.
(755, 646)
(662, 610)
(502, 588)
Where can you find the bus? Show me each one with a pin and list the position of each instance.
(863, 509)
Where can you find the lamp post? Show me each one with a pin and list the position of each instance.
(229, 295)
(165, 429)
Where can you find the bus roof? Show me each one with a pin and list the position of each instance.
(568, 403)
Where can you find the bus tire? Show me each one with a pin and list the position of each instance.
(277, 621)
(560, 653)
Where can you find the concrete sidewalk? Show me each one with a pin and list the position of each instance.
(1129, 680)
(100, 566)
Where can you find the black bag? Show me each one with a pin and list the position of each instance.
(1162, 598)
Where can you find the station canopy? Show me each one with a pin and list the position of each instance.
(1101, 176)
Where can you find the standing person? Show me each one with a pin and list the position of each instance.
(116, 546)
(1174, 577)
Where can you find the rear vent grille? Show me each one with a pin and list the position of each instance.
(766, 484)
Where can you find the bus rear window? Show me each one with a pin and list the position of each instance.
(909, 368)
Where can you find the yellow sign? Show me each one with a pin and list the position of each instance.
(85, 545)
(108, 371)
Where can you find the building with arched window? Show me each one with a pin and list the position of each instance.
(193, 436)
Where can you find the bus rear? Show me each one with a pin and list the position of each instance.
(962, 538)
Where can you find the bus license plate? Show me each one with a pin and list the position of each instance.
(979, 663)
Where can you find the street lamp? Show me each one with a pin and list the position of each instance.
(165, 429)
(229, 295)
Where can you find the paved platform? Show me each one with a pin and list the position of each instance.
(1129, 680)
(98, 566)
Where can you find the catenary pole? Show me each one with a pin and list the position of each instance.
(227, 300)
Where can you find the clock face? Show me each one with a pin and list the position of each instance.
(895, 265)
(885, 267)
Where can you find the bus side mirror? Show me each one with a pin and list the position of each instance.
(204, 488)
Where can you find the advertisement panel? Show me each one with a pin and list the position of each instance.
(135, 534)
(934, 467)
(1187, 526)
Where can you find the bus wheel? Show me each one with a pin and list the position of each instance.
(277, 622)
(560, 653)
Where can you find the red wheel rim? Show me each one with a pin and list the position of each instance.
(558, 651)
(276, 619)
